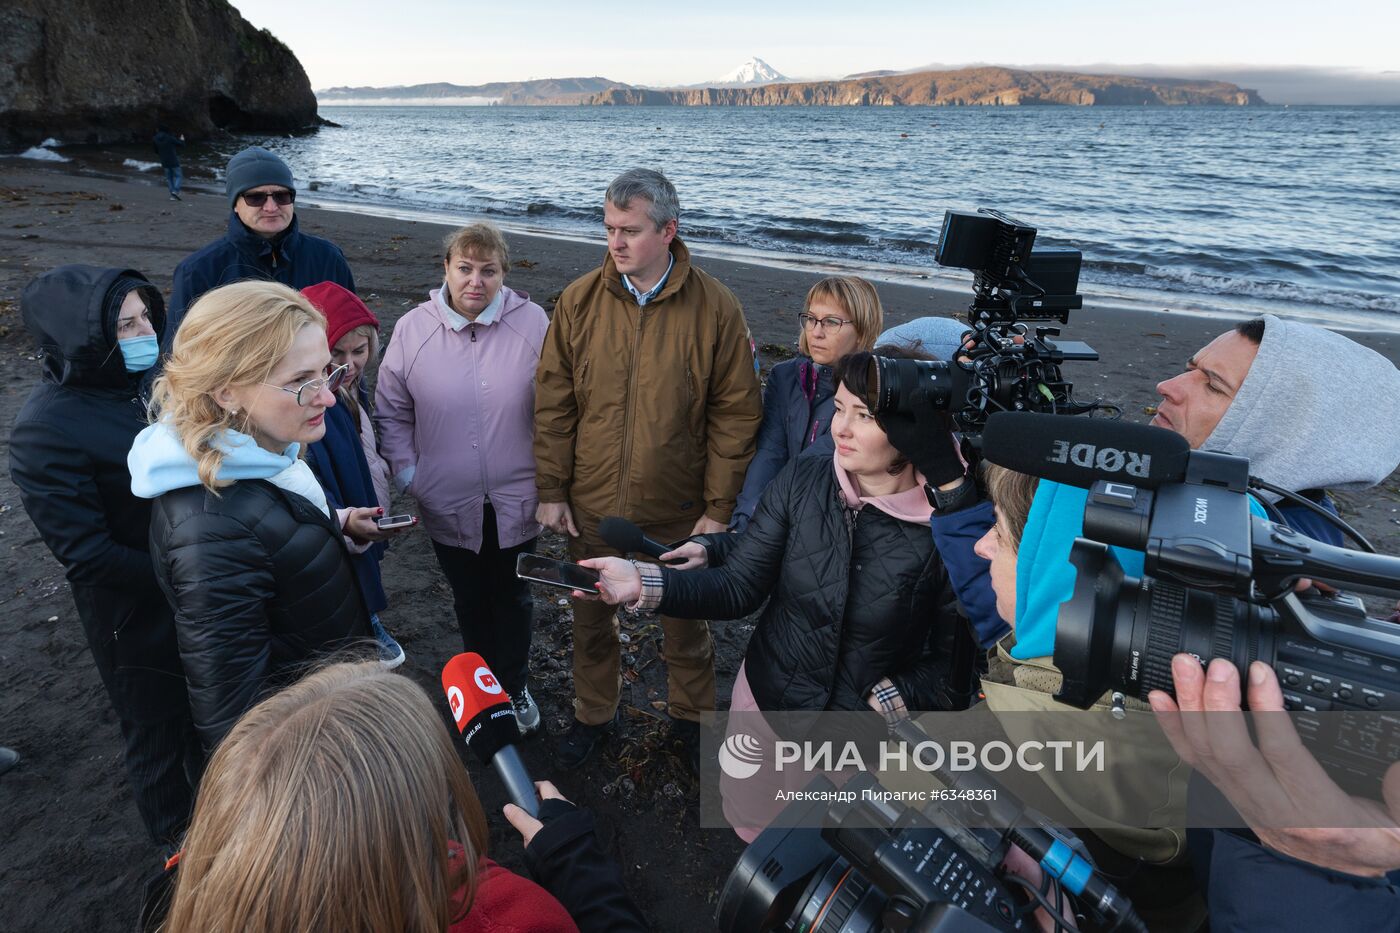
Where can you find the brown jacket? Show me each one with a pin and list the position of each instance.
(646, 412)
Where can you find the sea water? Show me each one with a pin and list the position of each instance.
(1239, 209)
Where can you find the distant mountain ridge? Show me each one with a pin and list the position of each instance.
(538, 91)
(963, 86)
(990, 86)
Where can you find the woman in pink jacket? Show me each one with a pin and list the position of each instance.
(456, 400)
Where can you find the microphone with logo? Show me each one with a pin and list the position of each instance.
(628, 538)
(1083, 451)
(484, 716)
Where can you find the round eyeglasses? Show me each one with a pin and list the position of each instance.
(305, 392)
(827, 324)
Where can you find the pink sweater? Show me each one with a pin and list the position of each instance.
(455, 406)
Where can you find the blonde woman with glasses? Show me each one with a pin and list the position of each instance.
(245, 547)
(841, 315)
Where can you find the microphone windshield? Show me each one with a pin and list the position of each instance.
(621, 534)
(1081, 451)
(479, 704)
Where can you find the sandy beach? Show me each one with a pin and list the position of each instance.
(74, 848)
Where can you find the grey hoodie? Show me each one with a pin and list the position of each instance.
(1316, 411)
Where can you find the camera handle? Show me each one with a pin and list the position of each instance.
(1257, 483)
(1281, 555)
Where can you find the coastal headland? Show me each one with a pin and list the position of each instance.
(990, 86)
(74, 852)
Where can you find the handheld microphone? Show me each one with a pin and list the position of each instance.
(628, 538)
(484, 716)
(1082, 451)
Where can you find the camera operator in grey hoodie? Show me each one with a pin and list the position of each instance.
(1300, 402)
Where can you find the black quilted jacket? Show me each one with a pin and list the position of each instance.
(261, 585)
(856, 596)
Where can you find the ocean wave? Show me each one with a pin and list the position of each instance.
(813, 235)
(1292, 292)
(411, 102)
(40, 154)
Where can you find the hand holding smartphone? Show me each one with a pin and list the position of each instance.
(556, 573)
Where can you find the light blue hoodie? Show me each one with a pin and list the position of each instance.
(1044, 576)
(159, 463)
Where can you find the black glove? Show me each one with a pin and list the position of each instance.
(926, 438)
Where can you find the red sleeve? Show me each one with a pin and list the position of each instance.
(509, 903)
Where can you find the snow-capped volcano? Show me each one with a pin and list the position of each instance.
(753, 71)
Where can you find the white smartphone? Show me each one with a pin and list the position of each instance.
(394, 521)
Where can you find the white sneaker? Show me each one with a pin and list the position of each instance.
(527, 713)
(391, 653)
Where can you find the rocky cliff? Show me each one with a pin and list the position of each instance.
(100, 71)
(994, 86)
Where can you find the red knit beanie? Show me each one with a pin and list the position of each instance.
(343, 309)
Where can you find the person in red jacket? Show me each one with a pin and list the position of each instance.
(340, 803)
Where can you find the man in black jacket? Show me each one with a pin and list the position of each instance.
(98, 330)
(262, 240)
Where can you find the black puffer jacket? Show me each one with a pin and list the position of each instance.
(262, 586)
(856, 596)
(68, 458)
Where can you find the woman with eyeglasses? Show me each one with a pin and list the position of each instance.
(245, 547)
(346, 459)
(841, 315)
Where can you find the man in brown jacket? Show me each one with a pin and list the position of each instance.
(646, 406)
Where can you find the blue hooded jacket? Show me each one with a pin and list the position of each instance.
(1044, 576)
(338, 460)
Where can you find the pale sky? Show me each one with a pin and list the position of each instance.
(417, 41)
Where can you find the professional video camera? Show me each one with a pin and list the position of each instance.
(880, 865)
(1003, 366)
(1218, 583)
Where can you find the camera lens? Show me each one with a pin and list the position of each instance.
(841, 900)
(900, 385)
(1120, 633)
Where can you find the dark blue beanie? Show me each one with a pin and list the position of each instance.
(252, 168)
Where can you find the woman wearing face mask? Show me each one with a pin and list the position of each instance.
(456, 415)
(244, 542)
(346, 460)
(98, 329)
(842, 314)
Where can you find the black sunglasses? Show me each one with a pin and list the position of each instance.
(259, 198)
